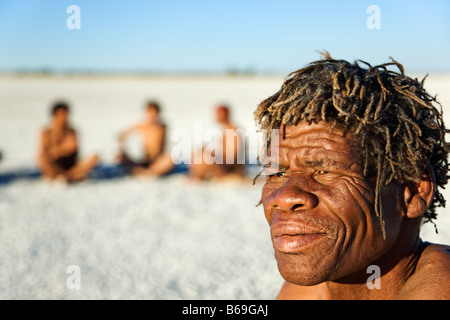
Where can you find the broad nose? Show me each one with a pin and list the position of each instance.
(293, 195)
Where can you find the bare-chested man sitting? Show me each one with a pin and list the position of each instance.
(58, 151)
(153, 133)
(231, 148)
(361, 160)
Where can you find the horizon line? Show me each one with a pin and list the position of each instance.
(45, 71)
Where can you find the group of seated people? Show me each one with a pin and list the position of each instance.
(58, 157)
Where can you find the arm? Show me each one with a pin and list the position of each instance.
(124, 134)
(68, 146)
(53, 152)
(44, 144)
(160, 137)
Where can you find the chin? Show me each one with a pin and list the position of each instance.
(302, 273)
(302, 279)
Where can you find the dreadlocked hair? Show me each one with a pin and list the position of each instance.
(398, 127)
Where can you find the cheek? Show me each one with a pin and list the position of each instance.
(267, 193)
(356, 208)
(352, 204)
(351, 200)
(361, 234)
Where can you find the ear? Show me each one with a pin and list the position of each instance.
(419, 196)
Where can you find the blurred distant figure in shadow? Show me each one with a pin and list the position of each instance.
(231, 147)
(58, 151)
(153, 133)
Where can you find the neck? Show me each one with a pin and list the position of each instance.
(225, 124)
(152, 121)
(59, 127)
(385, 279)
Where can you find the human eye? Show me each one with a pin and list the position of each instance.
(277, 175)
(280, 174)
(326, 175)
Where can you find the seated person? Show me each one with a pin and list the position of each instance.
(153, 133)
(58, 150)
(231, 147)
(362, 160)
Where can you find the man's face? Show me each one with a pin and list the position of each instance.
(320, 207)
(152, 113)
(222, 115)
(61, 117)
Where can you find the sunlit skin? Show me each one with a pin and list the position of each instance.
(60, 140)
(153, 133)
(230, 146)
(325, 233)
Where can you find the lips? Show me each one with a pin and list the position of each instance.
(294, 236)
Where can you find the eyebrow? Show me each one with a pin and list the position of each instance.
(322, 163)
(328, 163)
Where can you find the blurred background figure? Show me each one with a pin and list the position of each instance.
(58, 150)
(153, 133)
(231, 147)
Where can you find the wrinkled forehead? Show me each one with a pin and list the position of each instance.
(311, 132)
(315, 142)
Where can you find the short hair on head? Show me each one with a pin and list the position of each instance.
(153, 104)
(398, 127)
(60, 105)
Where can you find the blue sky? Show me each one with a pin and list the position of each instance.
(263, 35)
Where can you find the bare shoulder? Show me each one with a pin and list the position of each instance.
(158, 127)
(161, 125)
(435, 252)
(432, 275)
(45, 132)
